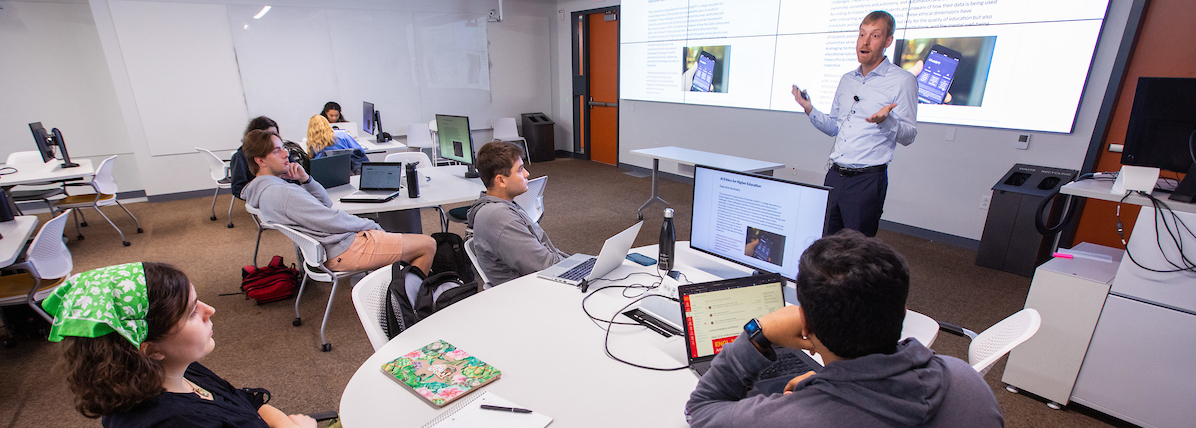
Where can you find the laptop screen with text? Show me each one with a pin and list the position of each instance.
(714, 313)
(761, 222)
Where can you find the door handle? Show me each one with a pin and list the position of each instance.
(593, 103)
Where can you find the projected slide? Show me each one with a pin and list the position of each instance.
(995, 63)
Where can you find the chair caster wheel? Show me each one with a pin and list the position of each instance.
(297, 322)
(639, 217)
(1054, 406)
(126, 243)
(326, 347)
(1011, 388)
(84, 224)
(230, 225)
(80, 237)
(213, 218)
(139, 230)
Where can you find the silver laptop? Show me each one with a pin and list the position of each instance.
(581, 267)
(380, 182)
(351, 127)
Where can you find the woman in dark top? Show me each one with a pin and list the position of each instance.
(240, 165)
(133, 334)
(332, 112)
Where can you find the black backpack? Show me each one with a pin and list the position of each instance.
(435, 293)
(296, 153)
(451, 256)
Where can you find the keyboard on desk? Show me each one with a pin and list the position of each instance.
(788, 364)
(577, 273)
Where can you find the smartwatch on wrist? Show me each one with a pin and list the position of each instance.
(308, 181)
(756, 334)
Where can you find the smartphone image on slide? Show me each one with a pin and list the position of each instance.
(704, 77)
(938, 70)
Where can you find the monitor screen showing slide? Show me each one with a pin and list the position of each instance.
(762, 222)
(456, 142)
(996, 63)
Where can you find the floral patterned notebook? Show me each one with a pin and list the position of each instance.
(440, 372)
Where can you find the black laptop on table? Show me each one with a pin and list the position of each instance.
(380, 182)
(714, 314)
(331, 171)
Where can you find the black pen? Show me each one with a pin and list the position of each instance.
(505, 409)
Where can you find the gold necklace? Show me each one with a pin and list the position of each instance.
(198, 390)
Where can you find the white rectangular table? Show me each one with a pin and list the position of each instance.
(31, 173)
(692, 157)
(14, 234)
(442, 185)
(552, 355)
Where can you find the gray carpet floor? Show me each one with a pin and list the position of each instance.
(585, 202)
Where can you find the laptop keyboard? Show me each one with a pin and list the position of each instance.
(577, 273)
(787, 364)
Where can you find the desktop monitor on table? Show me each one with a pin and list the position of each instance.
(1162, 130)
(761, 222)
(367, 117)
(455, 141)
(47, 142)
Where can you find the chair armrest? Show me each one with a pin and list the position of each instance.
(956, 330)
(323, 416)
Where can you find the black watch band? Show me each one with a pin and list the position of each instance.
(755, 333)
(305, 182)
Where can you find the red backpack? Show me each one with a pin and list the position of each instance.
(269, 283)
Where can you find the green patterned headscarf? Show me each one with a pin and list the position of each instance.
(99, 302)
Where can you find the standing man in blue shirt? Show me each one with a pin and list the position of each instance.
(875, 107)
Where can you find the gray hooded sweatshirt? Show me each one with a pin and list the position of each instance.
(912, 387)
(508, 243)
(308, 209)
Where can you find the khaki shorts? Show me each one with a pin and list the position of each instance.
(371, 249)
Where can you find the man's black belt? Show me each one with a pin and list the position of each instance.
(852, 172)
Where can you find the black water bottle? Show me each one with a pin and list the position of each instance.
(412, 181)
(668, 240)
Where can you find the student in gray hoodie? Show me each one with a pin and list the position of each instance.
(507, 242)
(852, 291)
(351, 242)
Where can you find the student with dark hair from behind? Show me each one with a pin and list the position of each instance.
(852, 290)
(240, 166)
(332, 112)
(507, 242)
(132, 336)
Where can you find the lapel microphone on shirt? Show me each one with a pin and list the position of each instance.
(856, 98)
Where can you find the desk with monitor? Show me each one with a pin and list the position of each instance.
(552, 355)
(441, 185)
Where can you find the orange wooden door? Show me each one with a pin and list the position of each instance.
(603, 66)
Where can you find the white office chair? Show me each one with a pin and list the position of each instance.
(314, 257)
(504, 130)
(30, 192)
(256, 215)
(369, 298)
(222, 175)
(532, 200)
(993, 343)
(47, 265)
(473, 258)
(421, 161)
(419, 138)
(105, 195)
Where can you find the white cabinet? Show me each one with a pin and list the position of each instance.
(1069, 294)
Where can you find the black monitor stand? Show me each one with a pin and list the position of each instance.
(61, 143)
(1186, 190)
(471, 172)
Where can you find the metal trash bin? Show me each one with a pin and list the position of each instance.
(1010, 241)
(540, 135)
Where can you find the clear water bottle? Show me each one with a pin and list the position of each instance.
(668, 240)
